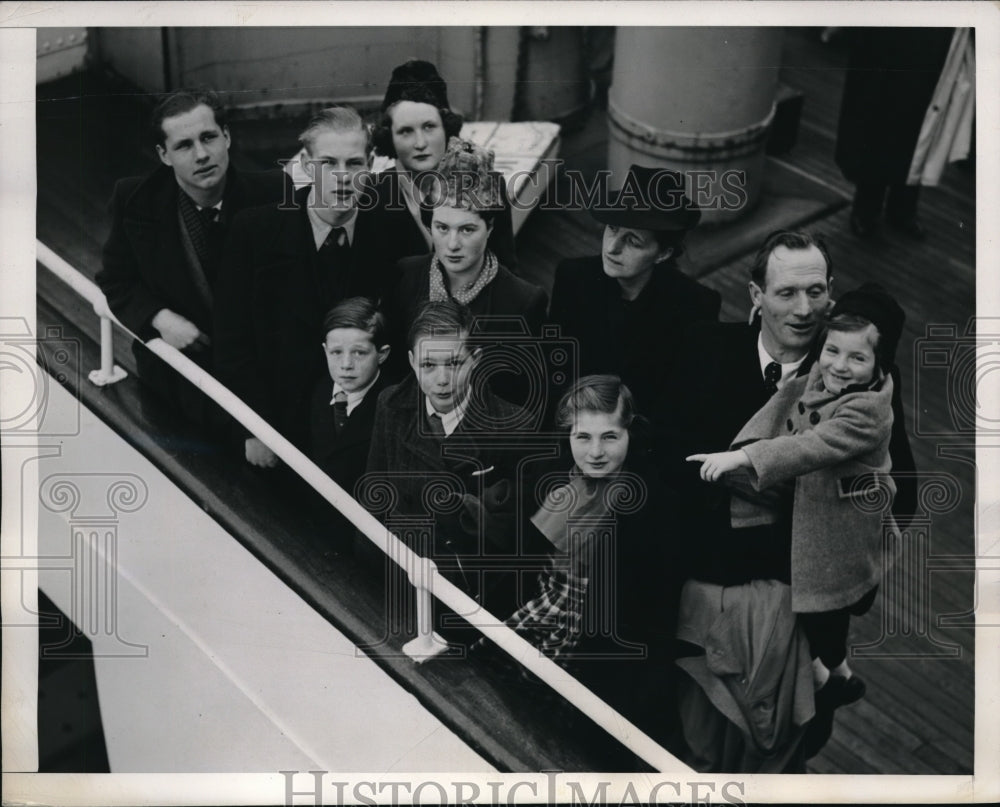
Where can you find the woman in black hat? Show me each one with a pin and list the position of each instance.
(627, 307)
(413, 128)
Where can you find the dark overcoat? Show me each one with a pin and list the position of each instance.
(507, 306)
(630, 339)
(145, 267)
(888, 87)
(270, 306)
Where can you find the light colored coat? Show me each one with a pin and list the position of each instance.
(836, 448)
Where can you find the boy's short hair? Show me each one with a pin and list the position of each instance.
(440, 318)
(357, 312)
(181, 101)
(336, 119)
(596, 393)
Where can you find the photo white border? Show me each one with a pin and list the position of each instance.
(17, 271)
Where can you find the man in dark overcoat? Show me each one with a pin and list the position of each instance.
(161, 260)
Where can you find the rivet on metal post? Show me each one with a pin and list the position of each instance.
(427, 643)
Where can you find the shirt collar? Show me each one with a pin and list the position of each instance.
(788, 369)
(449, 420)
(321, 229)
(353, 398)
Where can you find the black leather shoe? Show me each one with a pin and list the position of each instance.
(863, 228)
(911, 228)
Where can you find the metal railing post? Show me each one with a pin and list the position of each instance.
(108, 372)
(427, 643)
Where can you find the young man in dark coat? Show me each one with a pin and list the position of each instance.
(629, 305)
(163, 254)
(439, 444)
(285, 267)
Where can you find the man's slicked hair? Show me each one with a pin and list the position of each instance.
(335, 119)
(790, 239)
(181, 101)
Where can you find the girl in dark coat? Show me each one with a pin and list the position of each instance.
(605, 605)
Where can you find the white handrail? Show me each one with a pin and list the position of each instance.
(427, 579)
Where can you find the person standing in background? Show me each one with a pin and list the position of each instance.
(890, 82)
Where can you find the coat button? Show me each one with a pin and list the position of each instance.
(789, 424)
(814, 418)
(802, 408)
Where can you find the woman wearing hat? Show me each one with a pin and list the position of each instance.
(628, 306)
(414, 128)
(463, 208)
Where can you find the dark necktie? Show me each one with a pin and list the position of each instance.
(340, 410)
(772, 375)
(436, 425)
(333, 268)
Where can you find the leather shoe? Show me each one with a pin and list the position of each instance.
(911, 228)
(863, 228)
(840, 691)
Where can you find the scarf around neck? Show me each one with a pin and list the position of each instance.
(439, 289)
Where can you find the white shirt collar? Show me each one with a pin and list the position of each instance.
(353, 398)
(321, 229)
(449, 420)
(216, 206)
(787, 369)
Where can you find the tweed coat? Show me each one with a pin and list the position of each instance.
(836, 448)
(270, 306)
(632, 340)
(403, 234)
(463, 482)
(145, 268)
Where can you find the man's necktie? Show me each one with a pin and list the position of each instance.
(334, 270)
(772, 375)
(436, 425)
(340, 410)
